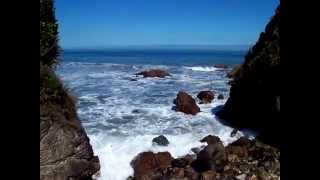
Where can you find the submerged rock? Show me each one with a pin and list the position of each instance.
(154, 73)
(220, 96)
(186, 104)
(160, 140)
(206, 96)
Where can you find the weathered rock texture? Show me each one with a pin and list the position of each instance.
(154, 73)
(254, 100)
(243, 159)
(206, 96)
(186, 104)
(65, 151)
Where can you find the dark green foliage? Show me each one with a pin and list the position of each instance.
(49, 49)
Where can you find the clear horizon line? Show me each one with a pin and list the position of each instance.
(160, 46)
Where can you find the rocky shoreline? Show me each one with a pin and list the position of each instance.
(244, 159)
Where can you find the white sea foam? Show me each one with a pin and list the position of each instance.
(202, 68)
(122, 117)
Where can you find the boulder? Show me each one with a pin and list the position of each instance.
(210, 139)
(212, 157)
(186, 104)
(206, 96)
(220, 96)
(147, 164)
(221, 66)
(160, 140)
(154, 73)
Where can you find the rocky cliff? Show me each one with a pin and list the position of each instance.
(65, 151)
(254, 100)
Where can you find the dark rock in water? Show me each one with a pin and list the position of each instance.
(221, 66)
(154, 73)
(195, 150)
(206, 96)
(136, 111)
(234, 133)
(132, 79)
(255, 91)
(220, 96)
(211, 139)
(160, 140)
(147, 164)
(186, 104)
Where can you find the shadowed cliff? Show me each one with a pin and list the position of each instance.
(254, 100)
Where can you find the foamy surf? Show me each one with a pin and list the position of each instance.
(202, 68)
(121, 117)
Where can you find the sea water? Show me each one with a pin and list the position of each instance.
(121, 117)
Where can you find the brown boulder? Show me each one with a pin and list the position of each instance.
(154, 73)
(147, 163)
(206, 96)
(186, 104)
(222, 66)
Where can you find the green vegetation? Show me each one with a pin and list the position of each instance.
(49, 49)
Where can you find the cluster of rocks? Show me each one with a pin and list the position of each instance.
(186, 104)
(243, 159)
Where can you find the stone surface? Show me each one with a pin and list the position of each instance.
(186, 104)
(154, 73)
(160, 140)
(206, 96)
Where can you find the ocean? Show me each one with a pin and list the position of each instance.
(121, 117)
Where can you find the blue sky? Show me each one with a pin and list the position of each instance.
(103, 23)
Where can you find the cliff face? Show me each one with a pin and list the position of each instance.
(254, 100)
(65, 151)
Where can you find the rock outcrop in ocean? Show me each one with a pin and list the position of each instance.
(205, 97)
(186, 104)
(154, 73)
(254, 100)
(65, 151)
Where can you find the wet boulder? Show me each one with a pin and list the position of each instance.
(220, 66)
(220, 96)
(160, 140)
(186, 104)
(206, 96)
(146, 165)
(212, 157)
(154, 73)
